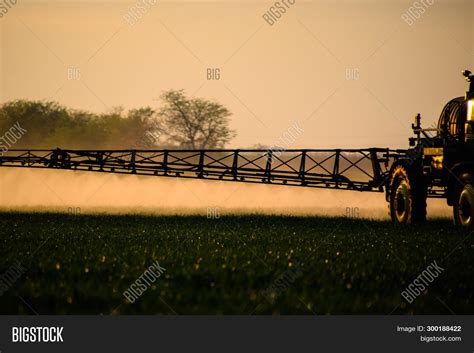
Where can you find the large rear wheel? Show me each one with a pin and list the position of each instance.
(463, 209)
(407, 199)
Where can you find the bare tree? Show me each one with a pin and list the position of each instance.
(195, 122)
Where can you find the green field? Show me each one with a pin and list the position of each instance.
(83, 264)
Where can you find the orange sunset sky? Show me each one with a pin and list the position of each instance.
(350, 73)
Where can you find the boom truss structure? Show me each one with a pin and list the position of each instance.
(351, 169)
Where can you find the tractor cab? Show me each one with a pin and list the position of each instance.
(469, 106)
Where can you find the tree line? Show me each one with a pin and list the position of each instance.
(180, 122)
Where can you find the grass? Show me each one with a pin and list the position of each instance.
(83, 264)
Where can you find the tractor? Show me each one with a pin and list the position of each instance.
(439, 163)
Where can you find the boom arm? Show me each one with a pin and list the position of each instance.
(361, 169)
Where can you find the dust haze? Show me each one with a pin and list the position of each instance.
(91, 193)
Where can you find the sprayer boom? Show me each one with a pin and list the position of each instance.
(358, 169)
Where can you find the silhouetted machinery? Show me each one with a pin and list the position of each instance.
(443, 161)
(438, 164)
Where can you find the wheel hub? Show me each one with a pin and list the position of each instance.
(401, 202)
(465, 206)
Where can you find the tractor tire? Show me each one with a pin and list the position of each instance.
(463, 208)
(407, 201)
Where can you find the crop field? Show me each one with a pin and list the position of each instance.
(242, 264)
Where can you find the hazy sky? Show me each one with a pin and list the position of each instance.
(270, 76)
